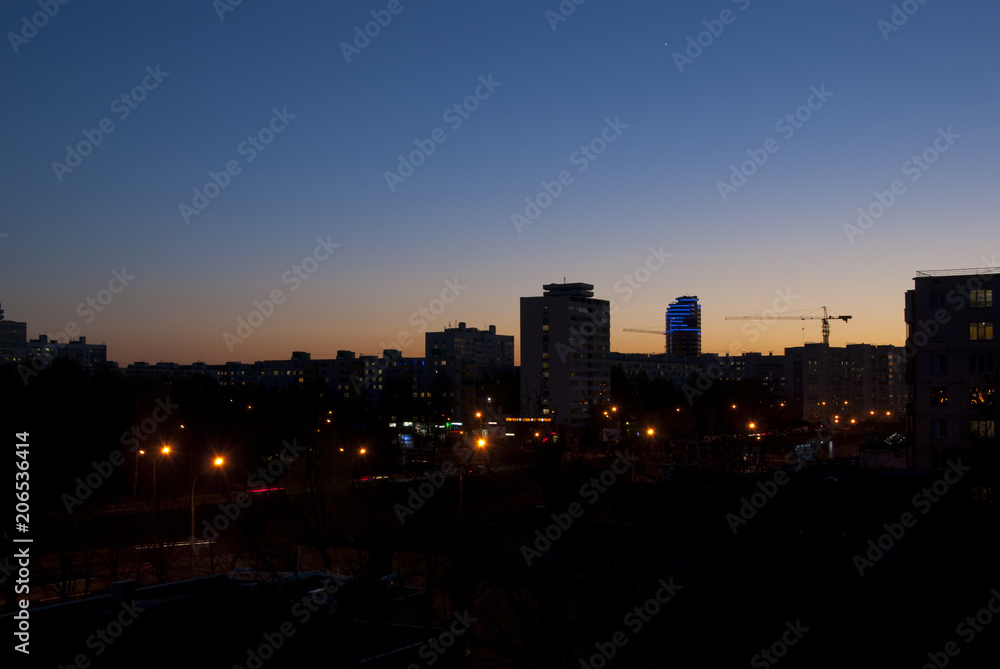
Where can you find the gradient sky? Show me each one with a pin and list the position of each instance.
(324, 174)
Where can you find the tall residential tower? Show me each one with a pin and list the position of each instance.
(684, 327)
(565, 342)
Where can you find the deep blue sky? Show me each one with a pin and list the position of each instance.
(323, 175)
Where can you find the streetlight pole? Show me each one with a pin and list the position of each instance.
(165, 450)
(217, 462)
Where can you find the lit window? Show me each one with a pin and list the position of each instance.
(981, 331)
(981, 397)
(982, 429)
(939, 396)
(981, 298)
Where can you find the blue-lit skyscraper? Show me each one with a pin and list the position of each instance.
(684, 327)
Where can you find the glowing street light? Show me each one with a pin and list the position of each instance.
(752, 426)
(217, 462)
(649, 432)
(482, 443)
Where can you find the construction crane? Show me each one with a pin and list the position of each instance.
(656, 332)
(825, 318)
(659, 332)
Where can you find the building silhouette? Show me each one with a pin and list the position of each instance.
(565, 346)
(488, 351)
(13, 340)
(953, 363)
(835, 384)
(683, 327)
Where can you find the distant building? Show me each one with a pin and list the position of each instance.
(13, 341)
(488, 351)
(684, 327)
(89, 356)
(953, 363)
(678, 371)
(837, 384)
(769, 369)
(565, 346)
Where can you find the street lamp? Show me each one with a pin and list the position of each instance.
(219, 461)
(164, 450)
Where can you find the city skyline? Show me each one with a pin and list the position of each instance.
(650, 151)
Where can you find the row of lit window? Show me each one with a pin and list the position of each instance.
(978, 396)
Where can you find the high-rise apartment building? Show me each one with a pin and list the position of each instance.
(485, 349)
(565, 344)
(684, 327)
(953, 362)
